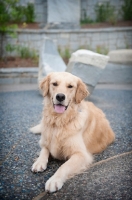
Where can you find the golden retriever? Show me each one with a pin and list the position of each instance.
(71, 128)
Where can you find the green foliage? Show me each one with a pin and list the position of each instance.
(127, 10)
(85, 19)
(25, 52)
(112, 19)
(5, 17)
(22, 51)
(10, 48)
(11, 13)
(64, 54)
(30, 15)
(17, 14)
(104, 12)
(5, 7)
(101, 49)
(23, 13)
(67, 53)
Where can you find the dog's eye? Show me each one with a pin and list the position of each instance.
(70, 86)
(55, 84)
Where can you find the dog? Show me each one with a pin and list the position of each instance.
(71, 128)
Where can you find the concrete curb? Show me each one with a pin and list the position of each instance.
(18, 75)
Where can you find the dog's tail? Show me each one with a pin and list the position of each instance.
(36, 129)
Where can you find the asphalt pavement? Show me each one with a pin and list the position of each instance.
(109, 177)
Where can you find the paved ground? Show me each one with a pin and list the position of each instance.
(108, 178)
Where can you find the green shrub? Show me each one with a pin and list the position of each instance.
(85, 19)
(23, 13)
(30, 15)
(11, 13)
(104, 12)
(127, 10)
(10, 48)
(65, 54)
(101, 49)
(23, 52)
(17, 14)
(5, 17)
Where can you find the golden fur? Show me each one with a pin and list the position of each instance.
(74, 135)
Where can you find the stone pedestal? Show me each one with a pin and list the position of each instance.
(63, 14)
(49, 59)
(88, 66)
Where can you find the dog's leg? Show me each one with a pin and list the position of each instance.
(36, 129)
(41, 163)
(76, 164)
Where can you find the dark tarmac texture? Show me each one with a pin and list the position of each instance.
(110, 176)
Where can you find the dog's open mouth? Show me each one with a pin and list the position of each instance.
(59, 108)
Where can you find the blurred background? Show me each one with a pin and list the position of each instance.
(97, 25)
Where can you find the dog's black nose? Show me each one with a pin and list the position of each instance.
(60, 97)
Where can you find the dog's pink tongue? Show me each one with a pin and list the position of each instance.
(59, 108)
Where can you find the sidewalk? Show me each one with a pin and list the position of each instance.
(109, 176)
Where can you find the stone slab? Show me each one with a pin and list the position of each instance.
(90, 58)
(122, 56)
(50, 60)
(63, 13)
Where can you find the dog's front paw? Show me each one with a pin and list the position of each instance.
(53, 184)
(39, 166)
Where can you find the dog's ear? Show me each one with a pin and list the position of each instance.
(44, 85)
(81, 92)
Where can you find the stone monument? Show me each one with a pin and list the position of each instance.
(63, 14)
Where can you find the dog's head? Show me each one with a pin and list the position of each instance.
(63, 89)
